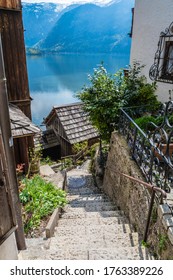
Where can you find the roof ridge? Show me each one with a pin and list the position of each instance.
(67, 105)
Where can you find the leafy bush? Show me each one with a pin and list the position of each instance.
(137, 92)
(66, 162)
(39, 199)
(92, 150)
(77, 147)
(47, 160)
(145, 124)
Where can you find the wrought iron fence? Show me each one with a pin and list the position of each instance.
(152, 150)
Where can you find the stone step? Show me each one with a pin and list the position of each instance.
(42, 249)
(82, 236)
(90, 207)
(132, 253)
(83, 191)
(128, 253)
(92, 221)
(36, 249)
(93, 229)
(92, 214)
(87, 197)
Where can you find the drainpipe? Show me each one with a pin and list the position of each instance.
(9, 152)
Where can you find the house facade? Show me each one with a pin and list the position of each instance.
(152, 43)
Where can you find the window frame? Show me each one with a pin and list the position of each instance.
(158, 71)
(165, 69)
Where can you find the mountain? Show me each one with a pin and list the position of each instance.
(84, 28)
(39, 19)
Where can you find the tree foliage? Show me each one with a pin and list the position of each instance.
(108, 93)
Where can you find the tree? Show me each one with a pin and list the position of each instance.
(108, 93)
(102, 101)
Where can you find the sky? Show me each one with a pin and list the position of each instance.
(68, 2)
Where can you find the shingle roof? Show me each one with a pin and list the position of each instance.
(76, 123)
(47, 139)
(21, 125)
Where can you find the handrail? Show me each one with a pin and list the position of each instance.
(77, 156)
(145, 184)
(135, 124)
(154, 189)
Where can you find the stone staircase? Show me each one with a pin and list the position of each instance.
(90, 228)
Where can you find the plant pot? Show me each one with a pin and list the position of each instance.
(35, 167)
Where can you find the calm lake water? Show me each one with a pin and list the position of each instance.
(54, 79)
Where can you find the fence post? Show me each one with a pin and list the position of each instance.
(149, 215)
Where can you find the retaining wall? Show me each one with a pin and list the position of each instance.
(134, 199)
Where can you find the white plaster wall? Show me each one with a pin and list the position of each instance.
(150, 18)
(8, 249)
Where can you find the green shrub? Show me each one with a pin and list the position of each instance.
(47, 160)
(92, 150)
(137, 91)
(39, 199)
(77, 147)
(163, 241)
(145, 122)
(66, 163)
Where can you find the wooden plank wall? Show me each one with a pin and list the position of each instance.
(21, 151)
(10, 4)
(11, 28)
(6, 216)
(56, 125)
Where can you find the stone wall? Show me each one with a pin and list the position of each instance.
(133, 198)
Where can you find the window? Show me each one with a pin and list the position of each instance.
(167, 70)
(162, 69)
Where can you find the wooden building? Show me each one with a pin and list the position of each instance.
(14, 84)
(50, 145)
(71, 125)
(12, 36)
(14, 56)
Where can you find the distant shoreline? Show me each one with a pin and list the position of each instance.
(40, 53)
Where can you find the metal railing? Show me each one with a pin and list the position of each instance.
(153, 154)
(152, 151)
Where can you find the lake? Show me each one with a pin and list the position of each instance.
(54, 79)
